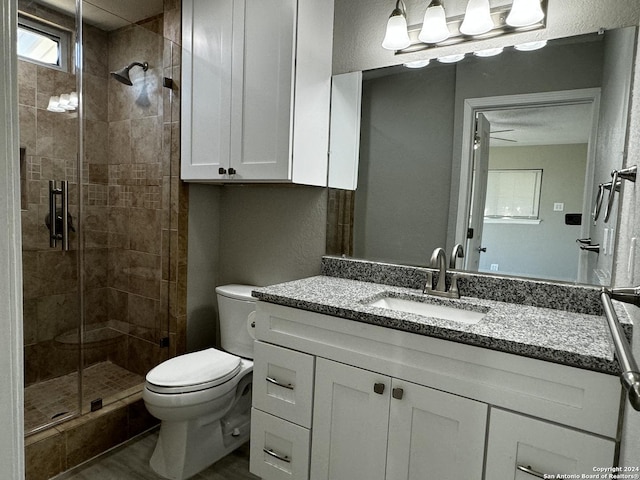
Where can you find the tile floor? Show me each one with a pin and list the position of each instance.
(53, 399)
(131, 462)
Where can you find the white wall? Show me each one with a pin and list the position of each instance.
(360, 25)
(548, 249)
(11, 361)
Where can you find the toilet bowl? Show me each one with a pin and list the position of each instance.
(203, 399)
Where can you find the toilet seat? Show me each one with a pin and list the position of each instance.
(193, 372)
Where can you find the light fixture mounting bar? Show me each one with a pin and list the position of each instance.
(498, 15)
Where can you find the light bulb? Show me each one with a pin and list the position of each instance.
(489, 52)
(417, 64)
(434, 27)
(530, 46)
(396, 36)
(477, 18)
(451, 58)
(524, 13)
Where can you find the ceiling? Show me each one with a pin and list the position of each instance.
(542, 125)
(110, 14)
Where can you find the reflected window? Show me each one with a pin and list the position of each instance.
(513, 194)
(43, 43)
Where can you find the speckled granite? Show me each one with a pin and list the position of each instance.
(536, 293)
(561, 336)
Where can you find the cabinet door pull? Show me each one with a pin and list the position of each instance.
(378, 388)
(397, 393)
(530, 471)
(284, 458)
(288, 386)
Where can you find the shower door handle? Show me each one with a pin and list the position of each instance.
(55, 235)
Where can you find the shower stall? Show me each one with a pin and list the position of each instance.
(103, 210)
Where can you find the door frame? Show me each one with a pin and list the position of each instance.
(562, 97)
(11, 343)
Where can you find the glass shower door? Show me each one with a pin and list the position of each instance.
(48, 125)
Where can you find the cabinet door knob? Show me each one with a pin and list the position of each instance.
(222, 171)
(232, 171)
(397, 393)
(378, 388)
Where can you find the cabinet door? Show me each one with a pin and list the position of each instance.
(350, 423)
(206, 87)
(517, 444)
(434, 435)
(263, 149)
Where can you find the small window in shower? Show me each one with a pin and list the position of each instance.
(43, 43)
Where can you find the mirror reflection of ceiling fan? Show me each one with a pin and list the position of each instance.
(501, 138)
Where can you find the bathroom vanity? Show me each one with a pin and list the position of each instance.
(346, 388)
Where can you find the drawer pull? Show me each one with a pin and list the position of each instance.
(378, 388)
(284, 458)
(397, 393)
(288, 386)
(531, 471)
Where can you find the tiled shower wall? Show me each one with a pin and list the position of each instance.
(133, 201)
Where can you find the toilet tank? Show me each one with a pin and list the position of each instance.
(235, 303)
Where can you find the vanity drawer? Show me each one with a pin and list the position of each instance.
(279, 449)
(283, 383)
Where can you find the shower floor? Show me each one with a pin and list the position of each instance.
(48, 401)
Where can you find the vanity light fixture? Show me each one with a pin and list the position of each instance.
(524, 13)
(451, 58)
(477, 18)
(489, 52)
(417, 64)
(397, 37)
(434, 27)
(530, 46)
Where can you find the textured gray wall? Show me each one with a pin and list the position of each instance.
(402, 200)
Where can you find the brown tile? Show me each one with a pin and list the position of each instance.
(45, 458)
(120, 141)
(143, 311)
(140, 420)
(107, 429)
(143, 355)
(57, 314)
(145, 230)
(146, 140)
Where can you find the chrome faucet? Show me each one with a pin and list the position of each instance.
(439, 261)
(457, 252)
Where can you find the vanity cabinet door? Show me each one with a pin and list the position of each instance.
(434, 435)
(350, 423)
(520, 447)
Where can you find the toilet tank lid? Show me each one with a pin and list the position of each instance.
(239, 292)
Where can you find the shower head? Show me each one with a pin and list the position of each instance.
(122, 75)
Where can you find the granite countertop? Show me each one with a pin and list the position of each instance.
(575, 339)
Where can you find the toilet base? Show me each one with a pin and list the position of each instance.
(186, 448)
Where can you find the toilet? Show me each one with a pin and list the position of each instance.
(203, 399)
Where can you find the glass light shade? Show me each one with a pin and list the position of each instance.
(489, 52)
(434, 27)
(477, 18)
(54, 105)
(451, 58)
(524, 13)
(417, 64)
(397, 36)
(530, 46)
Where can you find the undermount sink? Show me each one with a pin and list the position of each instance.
(429, 309)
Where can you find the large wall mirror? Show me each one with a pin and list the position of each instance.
(502, 154)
